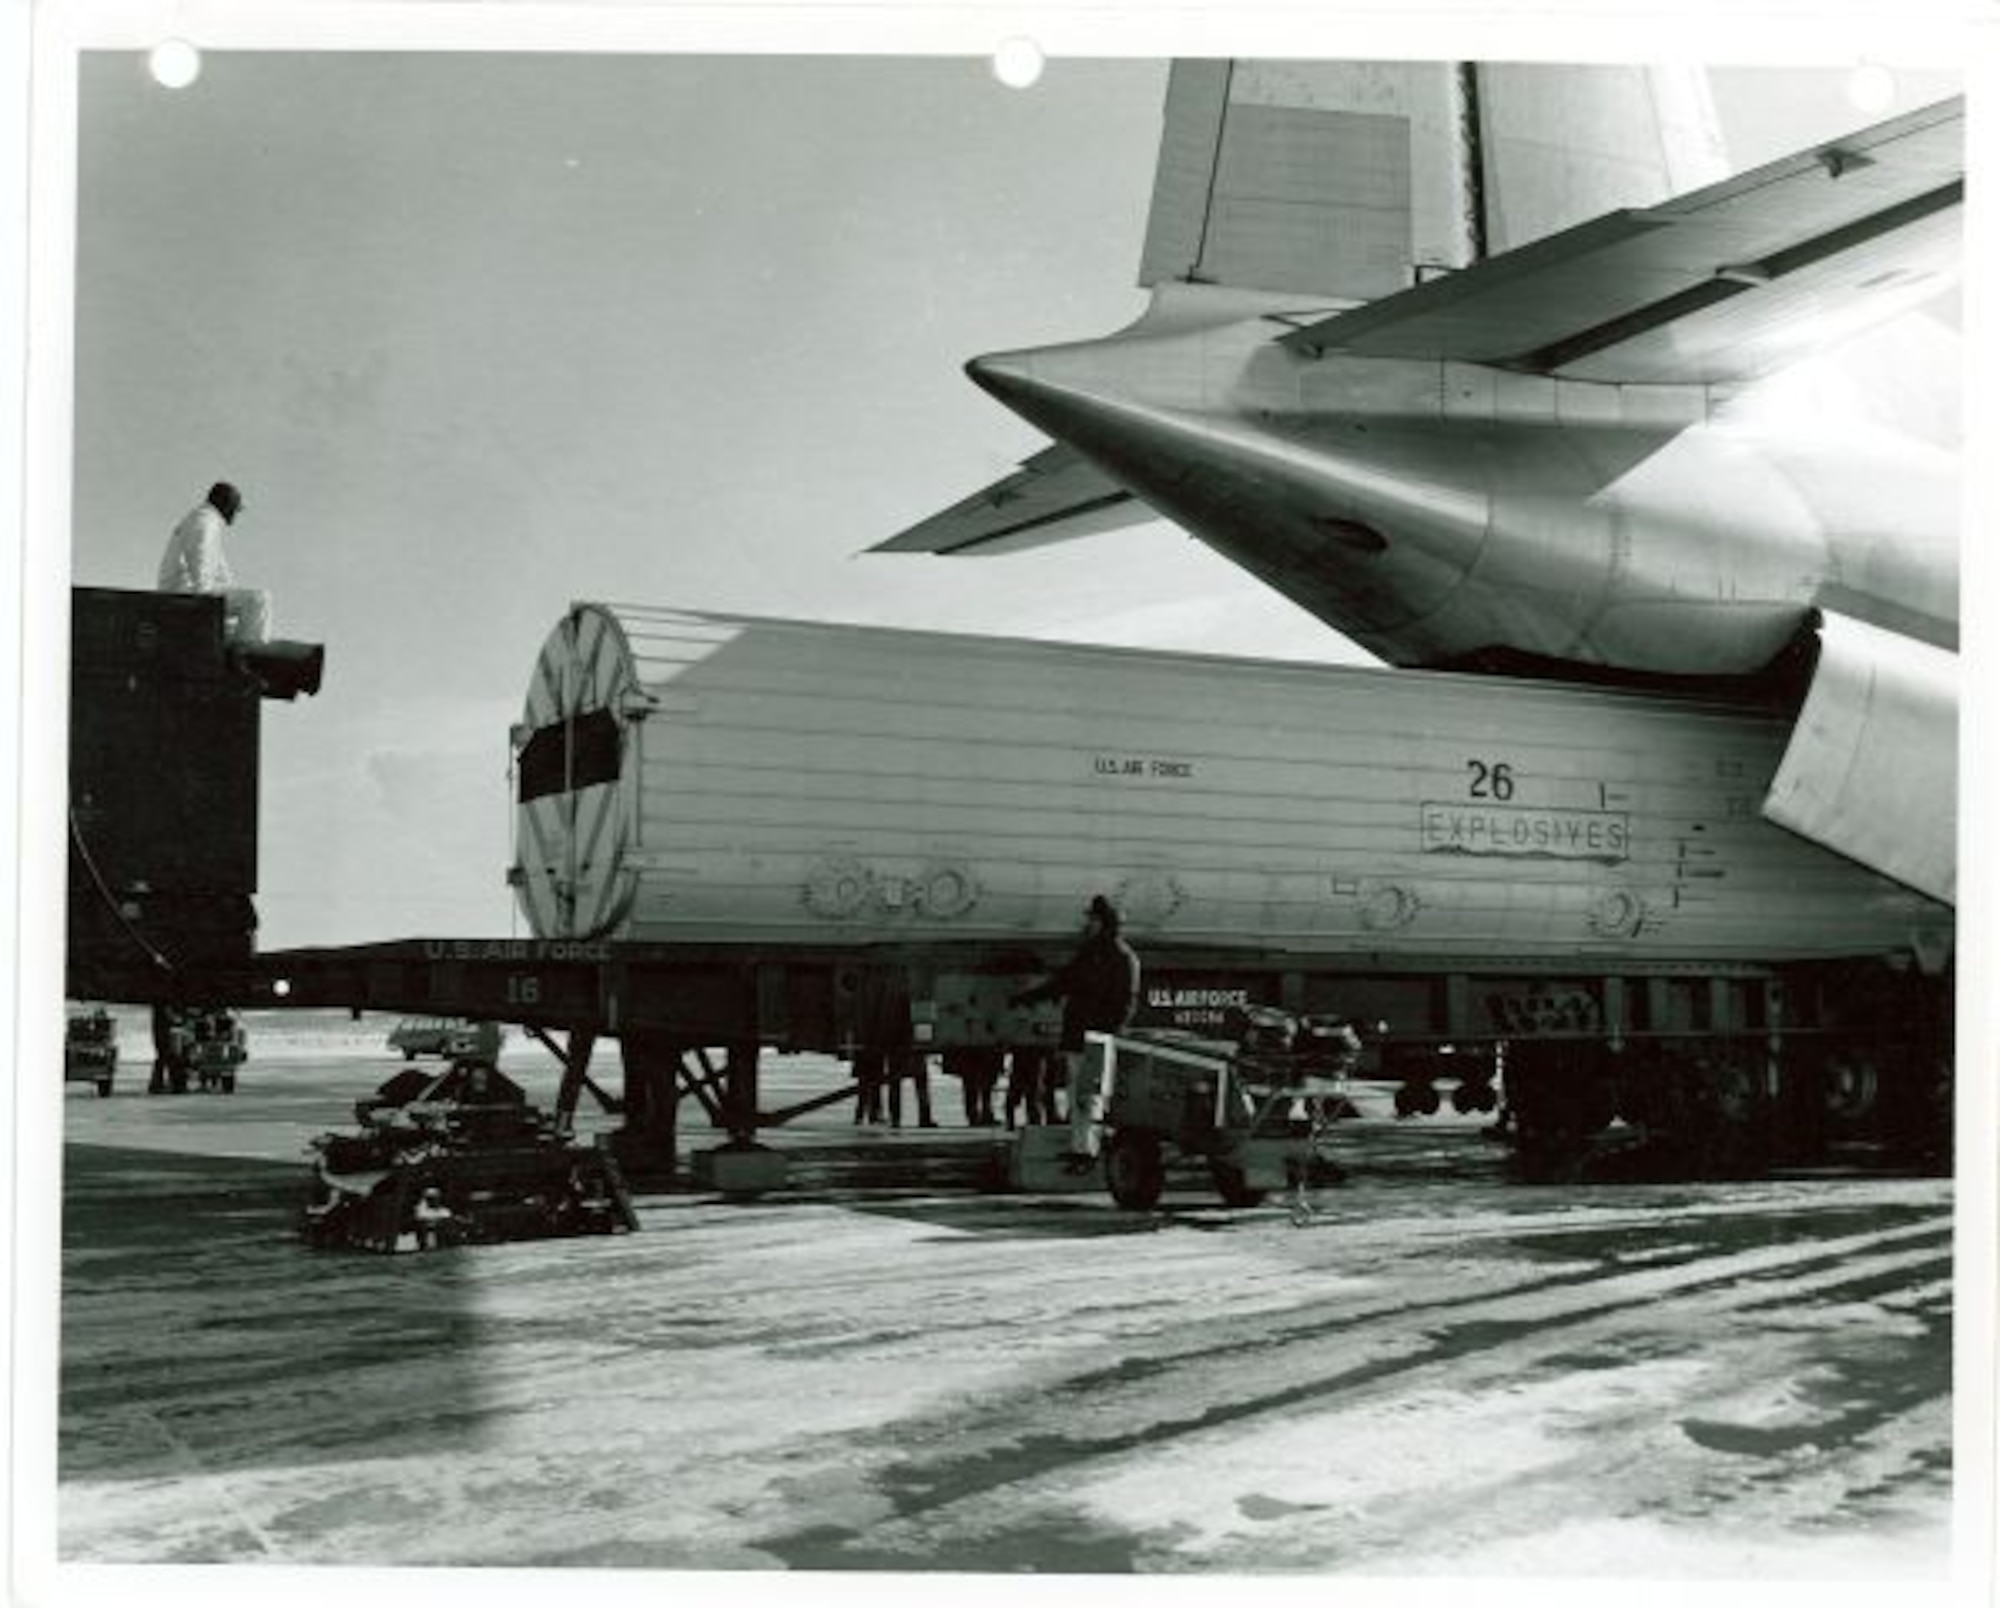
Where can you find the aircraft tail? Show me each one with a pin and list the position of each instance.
(1343, 183)
(1353, 180)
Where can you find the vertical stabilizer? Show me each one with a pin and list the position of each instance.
(1560, 145)
(1350, 181)
(1323, 179)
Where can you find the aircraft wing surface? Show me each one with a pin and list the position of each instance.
(1725, 283)
(1055, 495)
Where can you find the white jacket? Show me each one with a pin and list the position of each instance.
(194, 560)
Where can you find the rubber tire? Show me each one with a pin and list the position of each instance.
(103, 1088)
(1470, 1098)
(1134, 1171)
(228, 1083)
(1230, 1186)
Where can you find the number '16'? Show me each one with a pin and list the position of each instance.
(1491, 781)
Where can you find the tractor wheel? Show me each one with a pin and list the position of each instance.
(1230, 1185)
(1133, 1169)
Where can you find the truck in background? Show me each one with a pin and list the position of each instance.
(452, 1037)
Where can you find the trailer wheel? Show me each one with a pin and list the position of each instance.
(1230, 1185)
(103, 1088)
(1468, 1098)
(1852, 1089)
(229, 1083)
(1133, 1169)
(1414, 1099)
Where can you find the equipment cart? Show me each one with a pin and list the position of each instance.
(1255, 1110)
(203, 1045)
(90, 1049)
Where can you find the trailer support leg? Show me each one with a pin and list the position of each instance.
(575, 1078)
(645, 1144)
(739, 1101)
(706, 1086)
(741, 1168)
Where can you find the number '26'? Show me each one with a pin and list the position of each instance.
(1491, 780)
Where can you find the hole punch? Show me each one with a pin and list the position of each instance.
(174, 63)
(1018, 62)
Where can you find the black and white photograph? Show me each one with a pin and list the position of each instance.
(975, 803)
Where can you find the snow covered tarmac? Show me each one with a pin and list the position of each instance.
(884, 1369)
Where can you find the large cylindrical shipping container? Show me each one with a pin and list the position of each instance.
(701, 777)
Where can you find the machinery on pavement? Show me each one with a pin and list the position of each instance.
(200, 1046)
(90, 1048)
(1255, 1111)
(458, 1157)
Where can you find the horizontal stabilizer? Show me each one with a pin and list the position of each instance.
(1872, 768)
(1723, 284)
(1054, 496)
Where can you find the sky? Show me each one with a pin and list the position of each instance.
(481, 334)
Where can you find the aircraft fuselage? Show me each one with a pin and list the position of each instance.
(1440, 511)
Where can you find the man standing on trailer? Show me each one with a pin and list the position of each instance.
(195, 562)
(1099, 988)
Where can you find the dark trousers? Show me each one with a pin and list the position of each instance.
(871, 1071)
(977, 1072)
(916, 1068)
(1031, 1087)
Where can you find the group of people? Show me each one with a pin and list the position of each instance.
(1030, 1097)
(1099, 988)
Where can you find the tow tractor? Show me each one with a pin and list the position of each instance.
(458, 1157)
(1255, 1110)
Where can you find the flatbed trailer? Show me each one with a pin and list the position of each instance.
(1726, 1059)
(1726, 1069)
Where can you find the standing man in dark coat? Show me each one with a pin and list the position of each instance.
(1099, 988)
